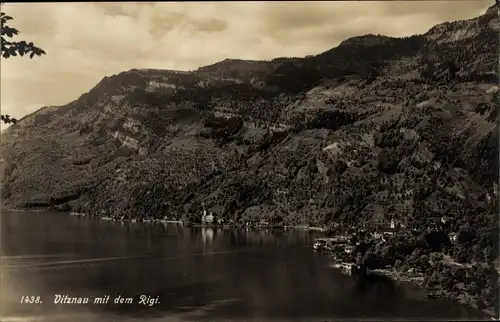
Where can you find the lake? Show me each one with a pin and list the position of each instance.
(187, 274)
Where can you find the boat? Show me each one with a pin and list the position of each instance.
(172, 222)
(77, 214)
(329, 244)
(432, 296)
(346, 268)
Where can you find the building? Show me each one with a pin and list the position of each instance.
(204, 217)
(348, 249)
(391, 230)
(209, 219)
(263, 222)
(453, 237)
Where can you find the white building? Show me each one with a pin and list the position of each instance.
(445, 219)
(204, 217)
(209, 219)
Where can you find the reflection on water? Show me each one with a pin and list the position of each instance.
(198, 274)
(207, 235)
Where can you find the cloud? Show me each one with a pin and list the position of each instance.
(118, 9)
(87, 41)
(162, 23)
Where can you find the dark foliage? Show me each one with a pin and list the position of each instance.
(222, 128)
(388, 160)
(332, 119)
(7, 119)
(435, 240)
(11, 48)
(292, 77)
(14, 48)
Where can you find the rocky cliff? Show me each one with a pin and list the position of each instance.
(373, 129)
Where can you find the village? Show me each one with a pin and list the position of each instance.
(353, 246)
(429, 257)
(207, 219)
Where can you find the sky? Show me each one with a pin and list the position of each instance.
(87, 41)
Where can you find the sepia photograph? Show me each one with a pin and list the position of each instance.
(274, 161)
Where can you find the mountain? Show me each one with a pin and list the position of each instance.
(301, 133)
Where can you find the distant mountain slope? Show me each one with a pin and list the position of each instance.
(370, 130)
(366, 81)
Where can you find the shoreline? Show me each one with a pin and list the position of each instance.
(162, 221)
(418, 280)
(30, 210)
(462, 298)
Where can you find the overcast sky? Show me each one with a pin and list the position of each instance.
(85, 42)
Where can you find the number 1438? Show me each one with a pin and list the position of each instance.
(30, 299)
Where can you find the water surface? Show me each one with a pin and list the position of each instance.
(197, 275)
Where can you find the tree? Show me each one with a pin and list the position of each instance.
(388, 160)
(452, 69)
(11, 48)
(371, 260)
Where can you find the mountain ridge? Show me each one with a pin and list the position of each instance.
(265, 82)
(490, 12)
